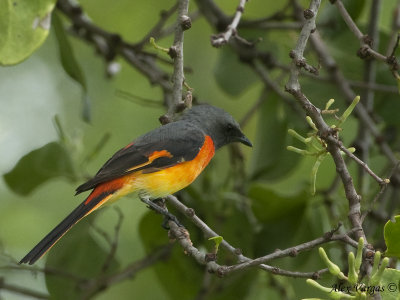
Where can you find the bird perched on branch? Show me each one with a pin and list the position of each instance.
(158, 163)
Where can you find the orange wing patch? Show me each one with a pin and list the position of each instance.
(158, 154)
(152, 157)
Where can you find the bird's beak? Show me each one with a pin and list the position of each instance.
(244, 140)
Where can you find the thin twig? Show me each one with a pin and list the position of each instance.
(394, 37)
(223, 38)
(379, 180)
(157, 29)
(366, 42)
(349, 21)
(109, 44)
(379, 194)
(255, 108)
(294, 251)
(47, 271)
(274, 86)
(375, 86)
(195, 15)
(181, 234)
(114, 242)
(297, 53)
(364, 140)
(138, 99)
(176, 52)
(178, 232)
(21, 290)
(97, 285)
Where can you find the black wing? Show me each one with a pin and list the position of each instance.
(159, 149)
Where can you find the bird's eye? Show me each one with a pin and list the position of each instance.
(230, 127)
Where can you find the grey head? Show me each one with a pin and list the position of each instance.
(217, 123)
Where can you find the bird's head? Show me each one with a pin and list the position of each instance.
(217, 123)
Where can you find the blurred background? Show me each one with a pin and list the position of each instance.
(55, 132)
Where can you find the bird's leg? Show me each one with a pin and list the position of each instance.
(160, 202)
(161, 209)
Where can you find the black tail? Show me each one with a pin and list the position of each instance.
(49, 240)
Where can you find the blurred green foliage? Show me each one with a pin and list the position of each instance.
(86, 262)
(392, 231)
(24, 26)
(50, 161)
(258, 204)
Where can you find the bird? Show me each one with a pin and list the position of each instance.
(155, 165)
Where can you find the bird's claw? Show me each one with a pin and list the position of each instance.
(161, 210)
(170, 217)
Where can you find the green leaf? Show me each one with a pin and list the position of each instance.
(70, 63)
(24, 26)
(38, 166)
(271, 159)
(230, 74)
(77, 253)
(217, 240)
(268, 206)
(391, 234)
(391, 282)
(274, 211)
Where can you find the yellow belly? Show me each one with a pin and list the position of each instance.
(167, 181)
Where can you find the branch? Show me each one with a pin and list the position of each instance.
(47, 270)
(224, 270)
(343, 85)
(113, 242)
(221, 39)
(294, 251)
(109, 45)
(375, 86)
(178, 232)
(366, 50)
(181, 234)
(379, 180)
(274, 86)
(21, 290)
(394, 37)
(99, 283)
(175, 103)
(178, 77)
(379, 194)
(363, 140)
(297, 53)
(349, 21)
(157, 29)
(93, 287)
(325, 132)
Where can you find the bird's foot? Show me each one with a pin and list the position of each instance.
(159, 206)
